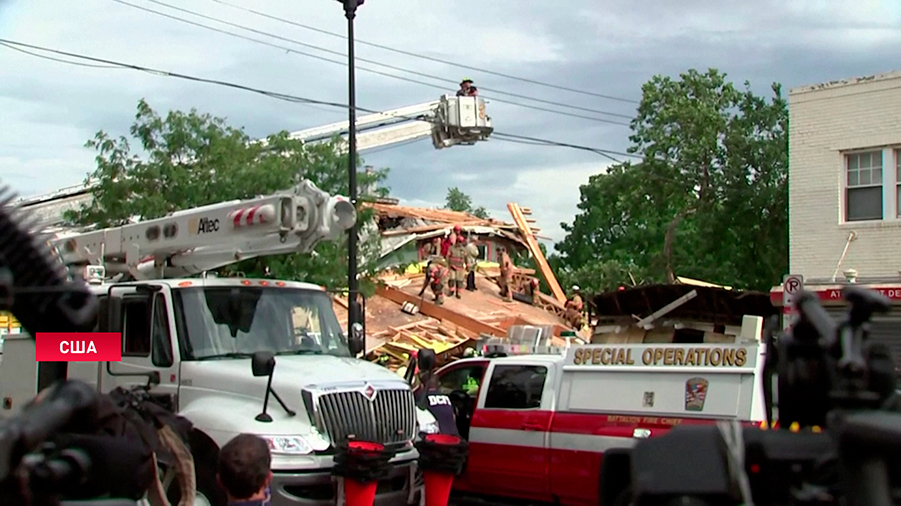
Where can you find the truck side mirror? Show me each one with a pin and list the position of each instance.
(427, 360)
(262, 363)
(357, 341)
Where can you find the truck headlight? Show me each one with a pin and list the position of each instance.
(288, 445)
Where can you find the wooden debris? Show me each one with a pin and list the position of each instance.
(446, 339)
(519, 217)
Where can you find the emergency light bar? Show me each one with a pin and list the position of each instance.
(507, 350)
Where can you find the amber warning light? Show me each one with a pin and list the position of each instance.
(78, 347)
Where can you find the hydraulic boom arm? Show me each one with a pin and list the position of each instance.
(188, 242)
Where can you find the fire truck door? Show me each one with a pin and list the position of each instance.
(509, 453)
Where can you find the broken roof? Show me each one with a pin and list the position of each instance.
(397, 220)
(714, 304)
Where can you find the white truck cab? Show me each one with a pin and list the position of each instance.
(192, 341)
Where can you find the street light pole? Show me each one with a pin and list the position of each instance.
(350, 10)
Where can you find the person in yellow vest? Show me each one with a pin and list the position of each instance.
(456, 260)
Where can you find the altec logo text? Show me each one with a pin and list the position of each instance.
(78, 347)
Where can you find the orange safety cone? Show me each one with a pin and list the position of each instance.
(358, 493)
(438, 484)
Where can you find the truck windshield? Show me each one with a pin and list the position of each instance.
(221, 322)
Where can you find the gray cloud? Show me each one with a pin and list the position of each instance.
(50, 109)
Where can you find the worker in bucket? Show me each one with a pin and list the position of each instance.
(467, 89)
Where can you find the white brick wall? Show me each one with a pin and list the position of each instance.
(824, 122)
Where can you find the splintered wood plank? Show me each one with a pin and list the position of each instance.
(420, 341)
(465, 334)
(532, 244)
(439, 312)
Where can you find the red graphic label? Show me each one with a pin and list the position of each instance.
(78, 347)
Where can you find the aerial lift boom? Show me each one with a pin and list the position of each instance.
(192, 241)
(449, 121)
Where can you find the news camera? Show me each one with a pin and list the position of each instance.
(832, 434)
(53, 449)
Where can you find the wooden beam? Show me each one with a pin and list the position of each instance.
(439, 312)
(532, 244)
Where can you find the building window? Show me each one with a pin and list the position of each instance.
(863, 199)
(898, 180)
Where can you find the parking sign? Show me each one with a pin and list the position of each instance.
(792, 285)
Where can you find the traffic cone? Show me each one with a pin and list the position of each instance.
(438, 484)
(358, 493)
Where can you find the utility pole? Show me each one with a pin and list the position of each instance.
(350, 11)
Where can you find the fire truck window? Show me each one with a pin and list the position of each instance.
(136, 326)
(516, 387)
(162, 340)
(466, 379)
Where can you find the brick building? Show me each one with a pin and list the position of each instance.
(845, 191)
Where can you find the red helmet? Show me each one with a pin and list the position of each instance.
(458, 228)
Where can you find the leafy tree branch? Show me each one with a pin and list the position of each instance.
(190, 159)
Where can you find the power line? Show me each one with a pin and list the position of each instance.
(429, 58)
(392, 67)
(344, 64)
(538, 141)
(36, 55)
(282, 96)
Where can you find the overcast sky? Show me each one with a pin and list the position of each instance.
(49, 109)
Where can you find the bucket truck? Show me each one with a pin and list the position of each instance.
(197, 341)
(449, 121)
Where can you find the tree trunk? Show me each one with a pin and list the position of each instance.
(668, 240)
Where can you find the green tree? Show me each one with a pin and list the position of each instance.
(456, 200)
(708, 200)
(191, 159)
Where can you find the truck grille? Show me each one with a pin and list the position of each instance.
(389, 418)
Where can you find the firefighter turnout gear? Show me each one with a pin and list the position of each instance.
(506, 277)
(456, 260)
(574, 309)
(471, 258)
(535, 288)
(436, 275)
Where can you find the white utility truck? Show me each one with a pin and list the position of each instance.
(540, 420)
(192, 338)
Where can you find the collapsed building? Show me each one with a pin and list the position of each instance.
(400, 317)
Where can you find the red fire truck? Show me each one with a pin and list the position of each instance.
(539, 423)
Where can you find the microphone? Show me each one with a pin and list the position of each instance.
(44, 300)
(68, 405)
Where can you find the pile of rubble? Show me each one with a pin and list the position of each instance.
(400, 319)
